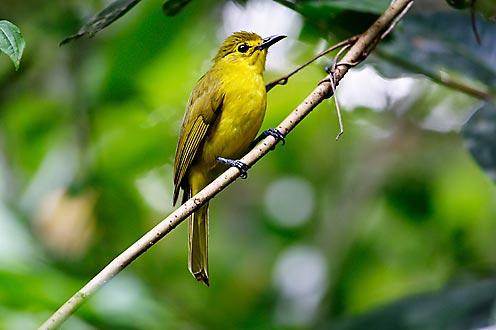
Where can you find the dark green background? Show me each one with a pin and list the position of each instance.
(397, 220)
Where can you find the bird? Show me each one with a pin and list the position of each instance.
(223, 116)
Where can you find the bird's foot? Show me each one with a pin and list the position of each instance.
(242, 167)
(274, 132)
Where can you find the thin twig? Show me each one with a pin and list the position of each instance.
(338, 110)
(473, 21)
(337, 62)
(396, 20)
(442, 79)
(388, 29)
(332, 80)
(284, 79)
(319, 94)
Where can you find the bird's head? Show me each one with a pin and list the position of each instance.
(246, 47)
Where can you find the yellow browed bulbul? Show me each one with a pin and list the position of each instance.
(224, 113)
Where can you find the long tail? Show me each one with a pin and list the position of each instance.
(198, 244)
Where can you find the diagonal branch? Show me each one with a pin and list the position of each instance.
(357, 53)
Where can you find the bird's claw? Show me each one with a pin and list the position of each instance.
(275, 133)
(242, 167)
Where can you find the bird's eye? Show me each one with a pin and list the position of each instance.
(243, 48)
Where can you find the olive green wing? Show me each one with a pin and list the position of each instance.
(204, 105)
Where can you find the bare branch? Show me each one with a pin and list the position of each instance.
(357, 53)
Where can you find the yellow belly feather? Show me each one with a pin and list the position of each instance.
(239, 122)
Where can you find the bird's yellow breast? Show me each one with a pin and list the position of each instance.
(241, 116)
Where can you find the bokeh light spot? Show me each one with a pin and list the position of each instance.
(300, 276)
(290, 201)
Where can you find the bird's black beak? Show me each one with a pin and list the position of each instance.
(269, 41)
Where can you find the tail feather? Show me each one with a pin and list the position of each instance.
(198, 244)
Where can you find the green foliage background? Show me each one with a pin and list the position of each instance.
(399, 220)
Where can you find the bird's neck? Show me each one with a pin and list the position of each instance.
(254, 65)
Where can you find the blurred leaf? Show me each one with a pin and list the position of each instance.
(480, 135)
(401, 220)
(66, 223)
(424, 44)
(103, 19)
(11, 42)
(331, 7)
(459, 4)
(173, 7)
(342, 18)
(410, 195)
(32, 131)
(467, 307)
(486, 8)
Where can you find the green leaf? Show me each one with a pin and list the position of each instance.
(442, 42)
(459, 4)
(457, 307)
(334, 6)
(479, 134)
(173, 7)
(342, 18)
(103, 19)
(487, 8)
(11, 42)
